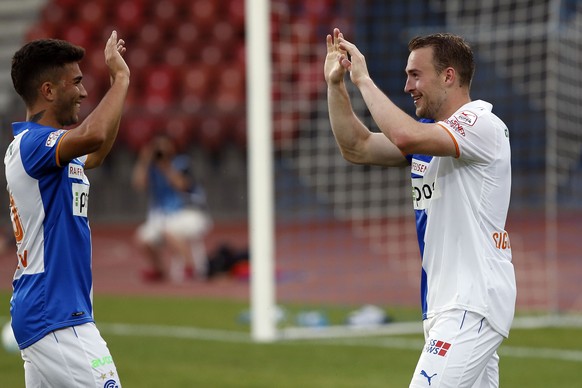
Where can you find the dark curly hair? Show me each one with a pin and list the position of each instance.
(39, 61)
(448, 51)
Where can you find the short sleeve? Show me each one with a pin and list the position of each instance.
(38, 150)
(476, 133)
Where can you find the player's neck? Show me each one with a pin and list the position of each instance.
(453, 104)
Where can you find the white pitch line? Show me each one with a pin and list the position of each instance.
(182, 332)
(504, 350)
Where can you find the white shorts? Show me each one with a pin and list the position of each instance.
(75, 356)
(187, 224)
(460, 351)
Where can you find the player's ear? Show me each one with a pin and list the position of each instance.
(47, 91)
(450, 75)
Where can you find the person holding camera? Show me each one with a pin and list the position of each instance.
(177, 217)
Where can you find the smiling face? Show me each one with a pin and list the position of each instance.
(424, 84)
(69, 94)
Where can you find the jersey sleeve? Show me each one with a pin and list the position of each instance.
(39, 150)
(476, 134)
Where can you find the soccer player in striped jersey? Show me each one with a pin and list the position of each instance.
(459, 155)
(51, 306)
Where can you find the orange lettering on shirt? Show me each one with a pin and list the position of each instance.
(16, 223)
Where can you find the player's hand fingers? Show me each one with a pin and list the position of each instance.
(120, 46)
(114, 49)
(347, 46)
(329, 43)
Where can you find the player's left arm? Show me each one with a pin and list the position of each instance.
(409, 135)
(95, 136)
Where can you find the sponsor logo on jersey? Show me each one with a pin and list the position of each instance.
(418, 167)
(423, 192)
(53, 137)
(80, 199)
(96, 363)
(501, 240)
(76, 171)
(110, 384)
(429, 378)
(454, 123)
(437, 347)
(467, 118)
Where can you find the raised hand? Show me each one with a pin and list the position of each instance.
(334, 71)
(352, 60)
(114, 50)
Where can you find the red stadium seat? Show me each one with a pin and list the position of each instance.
(318, 8)
(230, 93)
(197, 79)
(138, 58)
(55, 15)
(93, 65)
(63, 3)
(286, 128)
(192, 103)
(94, 93)
(165, 13)
(239, 132)
(181, 130)
(175, 56)
(303, 31)
(240, 56)
(204, 13)
(236, 14)
(310, 81)
(225, 37)
(232, 77)
(211, 54)
(285, 59)
(159, 79)
(228, 101)
(92, 14)
(134, 103)
(158, 103)
(186, 35)
(157, 87)
(137, 131)
(41, 30)
(78, 34)
(129, 14)
(212, 134)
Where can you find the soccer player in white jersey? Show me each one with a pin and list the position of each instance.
(51, 305)
(459, 156)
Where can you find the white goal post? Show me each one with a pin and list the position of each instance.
(260, 160)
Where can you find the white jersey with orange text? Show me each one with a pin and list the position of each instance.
(461, 206)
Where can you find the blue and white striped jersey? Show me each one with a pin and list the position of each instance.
(52, 285)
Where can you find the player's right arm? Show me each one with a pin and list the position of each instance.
(96, 134)
(356, 142)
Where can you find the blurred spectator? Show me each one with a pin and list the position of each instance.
(177, 216)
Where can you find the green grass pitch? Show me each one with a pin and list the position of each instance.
(183, 342)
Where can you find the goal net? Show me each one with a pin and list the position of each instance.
(344, 234)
